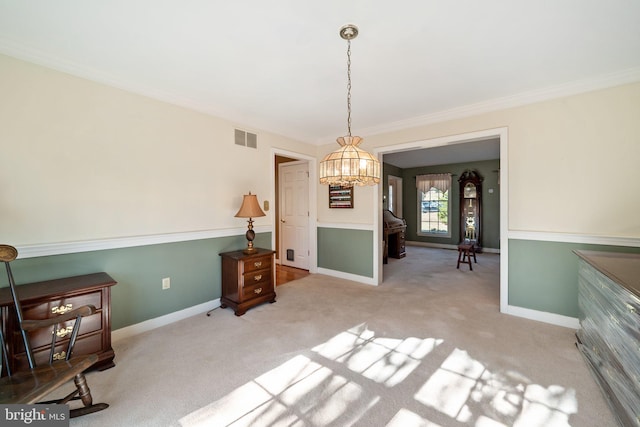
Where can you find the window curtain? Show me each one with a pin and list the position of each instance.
(439, 181)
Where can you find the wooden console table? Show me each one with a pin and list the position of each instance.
(248, 280)
(50, 298)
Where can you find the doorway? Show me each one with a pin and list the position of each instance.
(469, 141)
(294, 192)
(293, 178)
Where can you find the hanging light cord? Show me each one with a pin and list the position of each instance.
(349, 86)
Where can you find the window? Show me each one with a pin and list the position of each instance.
(433, 204)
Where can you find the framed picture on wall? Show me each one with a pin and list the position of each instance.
(340, 196)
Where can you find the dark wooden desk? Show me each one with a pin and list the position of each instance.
(43, 300)
(393, 235)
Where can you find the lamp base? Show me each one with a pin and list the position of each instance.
(250, 235)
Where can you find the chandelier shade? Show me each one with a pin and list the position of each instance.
(349, 165)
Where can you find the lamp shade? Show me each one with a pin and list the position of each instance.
(250, 207)
(349, 165)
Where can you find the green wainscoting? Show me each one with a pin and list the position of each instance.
(193, 266)
(543, 276)
(346, 250)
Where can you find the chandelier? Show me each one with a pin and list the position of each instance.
(349, 165)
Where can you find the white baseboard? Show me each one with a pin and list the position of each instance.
(148, 325)
(446, 246)
(542, 316)
(347, 276)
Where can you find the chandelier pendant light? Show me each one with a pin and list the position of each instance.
(349, 165)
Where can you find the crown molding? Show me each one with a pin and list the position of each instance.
(631, 75)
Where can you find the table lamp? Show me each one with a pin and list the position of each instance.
(250, 209)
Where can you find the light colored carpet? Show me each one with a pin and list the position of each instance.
(427, 348)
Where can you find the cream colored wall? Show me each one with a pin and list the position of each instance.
(572, 162)
(84, 161)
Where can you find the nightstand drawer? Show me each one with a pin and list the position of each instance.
(257, 263)
(255, 277)
(256, 290)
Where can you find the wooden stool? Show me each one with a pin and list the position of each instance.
(465, 250)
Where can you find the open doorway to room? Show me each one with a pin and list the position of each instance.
(292, 237)
(465, 151)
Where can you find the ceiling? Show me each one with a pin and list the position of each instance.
(280, 65)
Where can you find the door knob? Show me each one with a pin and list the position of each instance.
(282, 221)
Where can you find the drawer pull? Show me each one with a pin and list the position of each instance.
(257, 291)
(257, 264)
(62, 309)
(257, 278)
(60, 356)
(61, 333)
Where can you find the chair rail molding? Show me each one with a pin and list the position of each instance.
(48, 249)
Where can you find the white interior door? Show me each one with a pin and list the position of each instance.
(294, 214)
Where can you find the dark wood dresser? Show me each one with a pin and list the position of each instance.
(247, 280)
(609, 335)
(48, 299)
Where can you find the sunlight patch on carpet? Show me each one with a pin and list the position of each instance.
(387, 361)
(339, 381)
(298, 392)
(463, 389)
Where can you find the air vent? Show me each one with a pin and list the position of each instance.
(246, 138)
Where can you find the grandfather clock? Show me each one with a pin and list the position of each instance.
(471, 208)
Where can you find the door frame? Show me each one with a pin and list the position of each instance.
(466, 138)
(313, 202)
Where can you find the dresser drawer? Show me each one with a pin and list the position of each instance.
(42, 337)
(257, 263)
(88, 344)
(62, 305)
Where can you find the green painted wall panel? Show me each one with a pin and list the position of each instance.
(543, 276)
(349, 251)
(193, 266)
(490, 201)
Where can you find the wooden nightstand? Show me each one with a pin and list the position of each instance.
(247, 280)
